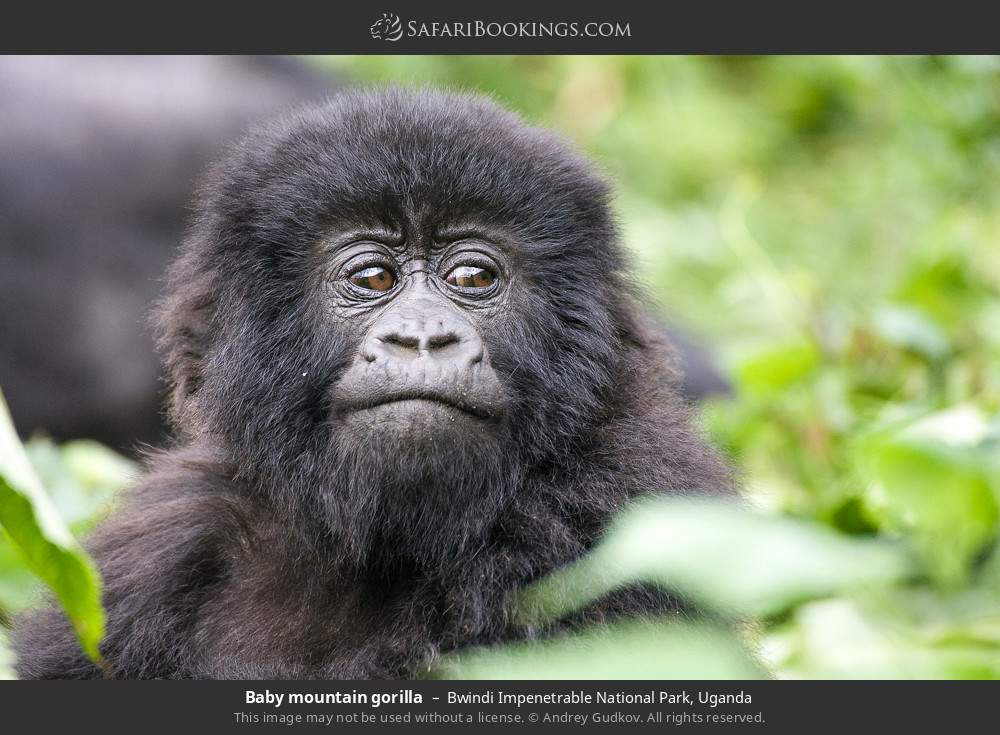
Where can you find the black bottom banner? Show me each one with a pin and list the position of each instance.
(250, 707)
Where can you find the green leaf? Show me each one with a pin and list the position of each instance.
(6, 659)
(909, 329)
(648, 650)
(81, 478)
(779, 367)
(48, 548)
(936, 478)
(721, 556)
(948, 287)
(18, 586)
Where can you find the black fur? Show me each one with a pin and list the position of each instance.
(273, 542)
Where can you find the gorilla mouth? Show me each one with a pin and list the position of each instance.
(479, 410)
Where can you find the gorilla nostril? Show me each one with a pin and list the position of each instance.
(391, 345)
(437, 341)
(401, 340)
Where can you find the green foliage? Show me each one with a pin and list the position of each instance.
(936, 479)
(36, 538)
(898, 634)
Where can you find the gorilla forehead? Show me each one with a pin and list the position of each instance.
(413, 160)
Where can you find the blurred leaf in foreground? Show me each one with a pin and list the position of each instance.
(721, 557)
(894, 634)
(648, 650)
(48, 548)
(81, 478)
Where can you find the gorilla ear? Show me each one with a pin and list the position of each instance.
(184, 322)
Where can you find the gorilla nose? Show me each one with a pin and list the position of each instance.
(402, 338)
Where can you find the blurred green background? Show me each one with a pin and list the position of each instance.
(831, 225)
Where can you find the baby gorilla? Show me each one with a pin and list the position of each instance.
(409, 376)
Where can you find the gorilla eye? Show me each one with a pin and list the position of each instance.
(373, 278)
(470, 276)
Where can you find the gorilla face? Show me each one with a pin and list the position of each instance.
(421, 372)
(400, 306)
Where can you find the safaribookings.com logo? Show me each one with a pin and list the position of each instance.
(387, 28)
(390, 28)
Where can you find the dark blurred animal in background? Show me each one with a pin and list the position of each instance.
(98, 157)
(409, 376)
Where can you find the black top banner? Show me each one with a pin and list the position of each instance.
(393, 27)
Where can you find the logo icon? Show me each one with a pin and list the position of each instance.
(387, 28)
